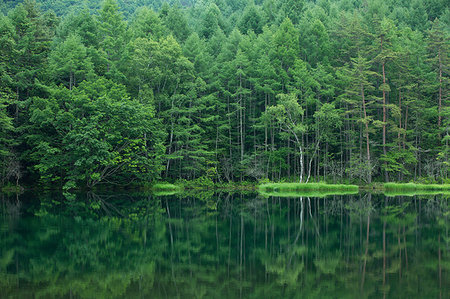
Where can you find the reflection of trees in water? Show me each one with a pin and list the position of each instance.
(226, 245)
(68, 251)
(435, 207)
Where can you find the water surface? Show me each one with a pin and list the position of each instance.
(222, 245)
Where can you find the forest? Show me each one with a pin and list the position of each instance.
(108, 92)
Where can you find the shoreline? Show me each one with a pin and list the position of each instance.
(314, 188)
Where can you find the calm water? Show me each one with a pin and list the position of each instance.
(206, 245)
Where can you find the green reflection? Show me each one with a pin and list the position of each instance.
(215, 245)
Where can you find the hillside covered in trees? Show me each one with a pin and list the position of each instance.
(117, 92)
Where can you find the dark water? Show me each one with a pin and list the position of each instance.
(206, 245)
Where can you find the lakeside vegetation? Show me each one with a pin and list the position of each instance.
(112, 93)
(166, 187)
(289, 189)
(410, 189)
(416, 187)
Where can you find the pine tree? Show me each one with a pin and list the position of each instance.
(69, 62)
(112, 36)
(385, 31)
(357, 94)
(439, 55)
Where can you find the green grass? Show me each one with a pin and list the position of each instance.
(310, 189)
(410, 189)
(166, 188)
(416, 187)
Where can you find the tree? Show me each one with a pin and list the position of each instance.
(315, 42)
(174, 19)
(251, 20)
(356, 93)
(147, 24)
(32, 44)
(94, 134)
(292, 9)
(386, 33)
(112, 35)
(210, 21)
(286, 45)
(438, 47)
(327, 121)
(69, 62)
(82, 24)
(6, 129)
(289, 115)
(211, 70)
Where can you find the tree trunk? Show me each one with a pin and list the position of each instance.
(170, 145)
(241, 123)
(405, 126)
(369, 174)
(400, 118)
(440, 89)
(384, 113)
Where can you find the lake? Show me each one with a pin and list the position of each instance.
(223, 245)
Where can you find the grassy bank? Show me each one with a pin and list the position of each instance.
(310, 188)
(412, 187)
(166, 187)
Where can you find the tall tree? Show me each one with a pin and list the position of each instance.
(69, 62)
(6, 129)
(357, 93)
(289, 115)
(97, 128)
(385, 31)
(112, 35)
(439, 51)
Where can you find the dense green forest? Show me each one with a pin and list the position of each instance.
(120, 92)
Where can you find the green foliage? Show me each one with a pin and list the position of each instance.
(398, 161)
(6, 128)
(223, 91)
(165, 187)
(251, 20)
(69, 62)
(415, 187)
(97, 128)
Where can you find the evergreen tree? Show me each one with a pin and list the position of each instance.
(69, 62)
(223, 90)
(112, 30)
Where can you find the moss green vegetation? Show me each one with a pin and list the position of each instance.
(166, 187)
(311, 189)
(411, 189)
(416, 187)
(111, 92)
